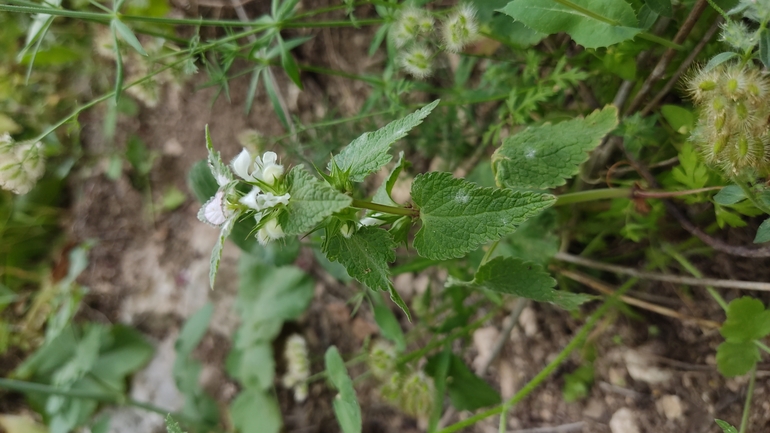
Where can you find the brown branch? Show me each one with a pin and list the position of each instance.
(668, 56)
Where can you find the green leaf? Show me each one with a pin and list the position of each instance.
(311, 201)
(681, 119)
(764, 47)
(128, 36)
(193, 331)
(369, 152)
(365, 255)
(545, 156)
(578, 383)
(216, 252)
(458, 216)
(719, 59)
(691, 172)
(389, 326)
(253, 366)
(731, 194)
(254, 411)
(346, 407)
(268, 293)
(763, 232)
(119, 73)
(525, 280)
(84, 358)
(172, 426)
(272, 94)
(661, 7)
(591, 23)
(382, 195)
(289, 65)
(396, 298)
(466, 390)
(737, 359)
(726, 427)
(747, 320)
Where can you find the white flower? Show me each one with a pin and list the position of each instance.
(265, 169)
(214, 212)
(21, 164)
(259, 201)
(370, 221)
(347, 230)
(298, 366)
(270, 231)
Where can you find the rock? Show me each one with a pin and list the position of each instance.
(594, 409)
(528, 321)
(670, 406)
(640, 368)
(484, 341)
(624, 421)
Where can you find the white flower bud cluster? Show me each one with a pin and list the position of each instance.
(414, 33)
(264, 175)
(412, 392)
(298, 367)
(382, 359)
(21, 164)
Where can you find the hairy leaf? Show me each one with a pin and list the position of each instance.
(525, 280)
(725, 426)
(458, 216)
(591, 23)
(365, 255)
(545, 156)
(311, 201)
(172, 426)
(369, 152)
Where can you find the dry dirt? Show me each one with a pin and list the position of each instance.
(152, 274)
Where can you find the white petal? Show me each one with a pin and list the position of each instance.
(252, 199)
(271, 173)
(213, 212)
(241, 165)
(269, 158)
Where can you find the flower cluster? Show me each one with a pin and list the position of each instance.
(298, 367)
(21, 164)
(382, 360)
(732, 130)
(411, 392)
(265, 199)
(413, 32)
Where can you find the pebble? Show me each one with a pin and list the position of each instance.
(624, 421)
(671, 406)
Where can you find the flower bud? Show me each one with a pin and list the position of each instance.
(737, 34)
(21, 164)
(298, 367)
(270, 231)
(347, 229)
(382, 359)
(410, 23)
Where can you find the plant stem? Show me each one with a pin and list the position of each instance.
(695, 271)
(719, 10)
(385, 209)
(451, 337)
(550, 368)
(747, 405)
(762, 346)
(592, 195)
(112, 398)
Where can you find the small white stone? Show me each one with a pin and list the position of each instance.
(528, 322)
(671, 406)
(640, 369)
(624, 421)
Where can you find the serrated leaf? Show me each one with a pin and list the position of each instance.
(346, 407)
(731, 194)
(747, 320)
(525, 280)
(661, 7)
(545, 156)
(466, 390)
(216, 252)
(725, 426)
(396, 298)
(254, 411)
(128, 36)
(763, 232)
(365, 255)
(172, 426)
(591, 23)
(311, 201)
(737, 359)
(369, 152)
(389, 326)
(382, 195)
(692, 172)
(458, 216)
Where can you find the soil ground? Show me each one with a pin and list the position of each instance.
(151, 272)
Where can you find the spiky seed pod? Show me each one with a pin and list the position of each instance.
(410, 23)
(460, 29)
(412, 392)
(738, 35)
(382, 360)
(417, 61)
(732, 130)
(21, 164)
